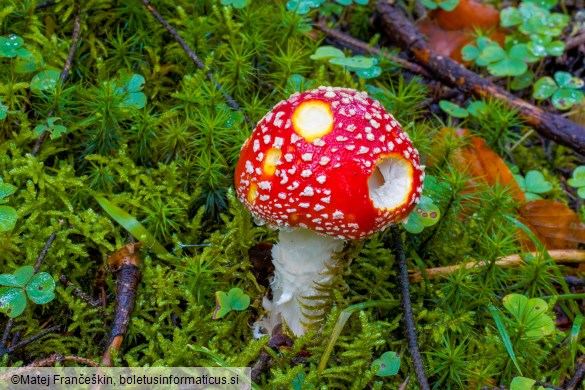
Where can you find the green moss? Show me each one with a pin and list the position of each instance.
(170, 165)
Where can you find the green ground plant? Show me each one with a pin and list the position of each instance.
(140, 141)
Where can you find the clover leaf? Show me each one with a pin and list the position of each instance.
(235, 299)
(12, 47)
(425, 214)
(472, 53)
(130, 85)
(453, 109)
(532, 184)
(303, 7)
(522, 81)
(364, 67)
(12, 301)
(41, 289)
(530, 316)
(44, 81)
(521, 383)
(447, 5)
(8, 214)
(542, 46)
(564, 90)
(23, 282)
(239, 4)
(388, 364)
(503, 62)
(578, 181)
(54, 129)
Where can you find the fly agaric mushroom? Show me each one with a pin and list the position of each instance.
(324, 166)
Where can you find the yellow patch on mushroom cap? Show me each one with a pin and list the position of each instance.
(271, 160)
(313, 119)
(252, 193)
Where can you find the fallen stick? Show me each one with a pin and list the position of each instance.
(408, 318)
(560, 256)
(399, 28)
(124, 263)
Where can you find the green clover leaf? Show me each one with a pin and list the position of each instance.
(303, 7)
(239, 4)
(353, 63)
(327, 52)
(12, 301)
(388, 364)
(131, 86)
(536, 183)
(564, 90)
(8, 218)
(425, 214)
(12, 47)
(41, 288)
(529, 315)
(453, 109)
(522, 81)
(521, 383)
(578, 181)
(44, 81)
(235, 299)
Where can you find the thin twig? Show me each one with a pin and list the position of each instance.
(231, 102)
(575, 41)
(579, 374)
(6, 336)
(49, 361)
(81, 294)
(364, 47)
(560, 256)
(33, 338)
(407, 309)
(63, 76)
(43, 254)
(45, 4)
(449, 72)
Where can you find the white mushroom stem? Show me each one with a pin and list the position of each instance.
(301, 259)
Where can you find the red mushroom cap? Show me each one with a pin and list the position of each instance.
(331, 160)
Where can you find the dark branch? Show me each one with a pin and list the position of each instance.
(33, 338)
(405, 33)
(407, 308)
(364, 47)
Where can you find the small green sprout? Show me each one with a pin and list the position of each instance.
(364, 67)
(578, 181)
(54, 129)
(564, 89)
(533, 184)
(24, 283)
(472, 53)
(447, 5)
(239, 4)
(235, 299)
(388, 364)
(12, 47)
(8, 214)
(425, 214)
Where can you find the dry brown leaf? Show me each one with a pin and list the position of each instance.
(448, 32)
(468, 14)
(486, 166)
(553, 223)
